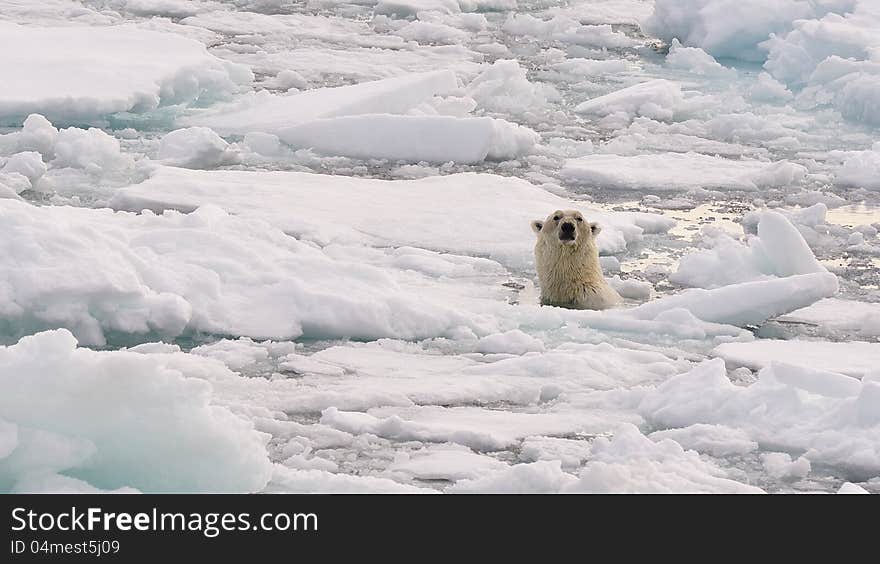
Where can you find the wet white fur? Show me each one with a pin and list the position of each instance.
(568, 271)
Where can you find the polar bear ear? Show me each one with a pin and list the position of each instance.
(537, 225)
(595, 229)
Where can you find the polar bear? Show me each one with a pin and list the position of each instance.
(567, 260)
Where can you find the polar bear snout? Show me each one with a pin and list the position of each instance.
(567, 231)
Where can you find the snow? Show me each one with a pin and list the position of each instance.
(823, 48)
(51, 389)
(835, 316)
(717, 440)
(194, 147)
(746, 303)
(27, 163)
(837, 429)
(632, 463)
(852, 358)
(76, 74)
(532, 478)
(778, 250)
(830, 55)
(504, 87)
(479, 429)
(295, 238)
(436, 139)
(417, 213)
(89, 149)
(725, 28)
(655, 99)
(270, 113)
(861, 169)
(510, 342)
(695, 60)
(141, 279)
(12, 184)
(779, 465)
(567, 30)
(428, 32)
(569, 452)
(679, 171)
(631, 289)
(365, 121)
(446, 462)
(850, 488)
(412, 7)
(37, 134)
(768, 89)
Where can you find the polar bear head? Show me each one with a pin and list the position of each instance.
(566, 228)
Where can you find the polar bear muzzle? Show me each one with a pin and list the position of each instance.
(567, 231)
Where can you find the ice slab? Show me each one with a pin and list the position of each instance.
(829, 417)
(778, 250)
(270, 113)
(860, 169)
(477, 428)
(456, 213)
(100, 272)
(679, 171)
(632, 463)
(725, 28)
(838, 316)
(76, 74)
(436, 139)
(50, 391)
(655, 99)
(747, 303)
(854, 358)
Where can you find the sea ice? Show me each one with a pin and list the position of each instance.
(269, 113)
(74, 74)
(150, 415)
(456, 213)
(679, 171)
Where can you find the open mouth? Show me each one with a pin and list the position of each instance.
(566, 236)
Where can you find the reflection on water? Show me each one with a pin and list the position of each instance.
(853, 215)
(722, 216)
(659, 254)
(662, 255)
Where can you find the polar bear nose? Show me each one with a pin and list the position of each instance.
(568, 227)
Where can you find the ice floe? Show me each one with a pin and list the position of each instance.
(76, 74)
(679, 171)
(327, 209)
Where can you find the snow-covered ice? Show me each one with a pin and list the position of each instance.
(677, 171)
(52, 389)
(455, 214)
(98, 271)
(855, 358)
(436, 139)
(834, 316)
(271, 113)
(74, 74)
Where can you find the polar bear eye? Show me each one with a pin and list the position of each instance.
(580, 219)
(555, 218)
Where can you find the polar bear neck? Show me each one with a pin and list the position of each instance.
(563, 264)
(575, 261)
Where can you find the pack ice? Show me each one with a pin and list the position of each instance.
(285, 246)
(78, 74)
(384, 119)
